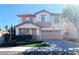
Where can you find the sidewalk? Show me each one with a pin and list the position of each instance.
(15, 48)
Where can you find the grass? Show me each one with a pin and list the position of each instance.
(36, 44)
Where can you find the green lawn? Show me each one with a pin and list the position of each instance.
(35, 44)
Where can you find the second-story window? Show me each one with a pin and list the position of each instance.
(23, 19)
(43, 18)
(31, 19)
(56, 19)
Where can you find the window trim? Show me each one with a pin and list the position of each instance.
(43, 17)
(56, 19)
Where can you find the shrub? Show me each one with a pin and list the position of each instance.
(25, 38)
(6, 37)
(29, 37)
(20, 37)
(44, 44)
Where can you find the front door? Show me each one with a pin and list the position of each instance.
(34, 33)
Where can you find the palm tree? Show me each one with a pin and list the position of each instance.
(6, 27)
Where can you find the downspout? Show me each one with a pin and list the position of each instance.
(40, 33)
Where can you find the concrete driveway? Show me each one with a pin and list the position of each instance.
(63, 43)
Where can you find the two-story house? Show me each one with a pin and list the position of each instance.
(42, 24)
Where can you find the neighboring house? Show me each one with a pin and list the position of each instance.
(2, 32)
(42, 25)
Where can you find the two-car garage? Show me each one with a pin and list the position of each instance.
(51, 34)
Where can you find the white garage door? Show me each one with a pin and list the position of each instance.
(51, 34)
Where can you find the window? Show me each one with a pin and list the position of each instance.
(23, 19)
(31, 19)
(24, 31)
(56, 19)
(43, 18)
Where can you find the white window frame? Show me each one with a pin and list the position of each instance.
(56, 19)
(43, 17)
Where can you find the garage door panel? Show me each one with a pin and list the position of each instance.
(51, 35)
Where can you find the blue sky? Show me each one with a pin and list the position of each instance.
(8, 12)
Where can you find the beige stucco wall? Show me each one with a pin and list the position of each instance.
(71, 30)
(50, 19)
(27, 26)
(38, 17)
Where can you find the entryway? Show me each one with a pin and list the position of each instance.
(34, 33)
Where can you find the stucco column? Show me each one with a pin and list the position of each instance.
(30, 31)
(17, 31)
(38, 34)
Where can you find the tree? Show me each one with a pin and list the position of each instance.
(12, 32)
(71, 13)
(6, 27)
(0, 29)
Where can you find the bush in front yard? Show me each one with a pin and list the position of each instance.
(25, 38)
(6, 37)
(44, 44)
(28, 38)
(20, 38)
